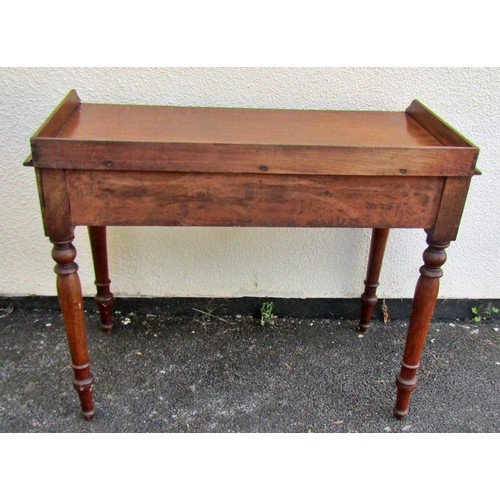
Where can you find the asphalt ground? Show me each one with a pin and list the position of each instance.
(213, 374)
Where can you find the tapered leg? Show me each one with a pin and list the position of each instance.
(424, 302)
(369, 297)
(104, 297)
(70, 299)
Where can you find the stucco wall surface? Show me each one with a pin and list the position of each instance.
(234, 262)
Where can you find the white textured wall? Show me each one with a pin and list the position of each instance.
(235, 262)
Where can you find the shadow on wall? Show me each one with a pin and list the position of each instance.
(236, 262)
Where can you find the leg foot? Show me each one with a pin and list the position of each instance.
(424, 302)
(70, 299)
(369, 297)
(104, 297)
(83, 385)
(400, 415)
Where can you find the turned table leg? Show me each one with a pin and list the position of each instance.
(104, 297)
(424, 302)
(70, 299)
(369, 297)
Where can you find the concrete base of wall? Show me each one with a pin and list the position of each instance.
(446, 309)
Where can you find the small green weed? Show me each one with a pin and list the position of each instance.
(266, 313)
(482, 312)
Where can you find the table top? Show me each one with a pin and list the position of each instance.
(241, 140)
(244, 126)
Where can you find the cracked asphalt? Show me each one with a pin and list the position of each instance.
(208, 373)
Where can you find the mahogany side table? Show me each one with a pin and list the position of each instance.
(101, 165)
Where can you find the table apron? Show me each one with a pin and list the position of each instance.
(198, 199)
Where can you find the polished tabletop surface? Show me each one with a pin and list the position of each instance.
(107, 122)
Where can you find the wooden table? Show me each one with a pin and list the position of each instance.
(104, 165)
